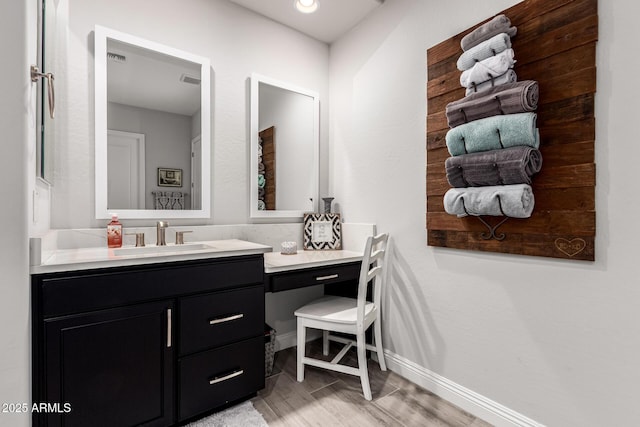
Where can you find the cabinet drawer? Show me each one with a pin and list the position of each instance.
(96, 289)
(220, 318)
(216, 377)
(318, 276)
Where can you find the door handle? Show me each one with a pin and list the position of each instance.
(35, 75)
(169, 327)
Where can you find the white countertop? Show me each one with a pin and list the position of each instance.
(90, 258)
(275, 262)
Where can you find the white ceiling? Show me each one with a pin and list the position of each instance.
(332, 19)
(151, 80)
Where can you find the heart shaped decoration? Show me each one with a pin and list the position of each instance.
(571, 247)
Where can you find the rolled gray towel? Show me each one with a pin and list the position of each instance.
(499, 24)
(506, 78)
(509, 98)
(515, 165)
(493, 46)
(515, 201)
(488, 69)
(261, 192)
(493, 133)
(260, 167)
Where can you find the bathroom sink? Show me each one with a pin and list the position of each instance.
(144, 250)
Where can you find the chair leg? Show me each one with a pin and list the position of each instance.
(379, 350)
(301, 337)
(325, 343)
(362, 365)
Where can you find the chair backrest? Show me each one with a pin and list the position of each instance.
(372, 271)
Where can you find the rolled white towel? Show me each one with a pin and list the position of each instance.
(508, 77)
(486, 49)
(515, 201)
(487, 69)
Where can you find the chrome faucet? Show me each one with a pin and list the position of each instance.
(160, 229)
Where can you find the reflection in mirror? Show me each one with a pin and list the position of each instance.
(49, 60)
(284, 149)
(152, 129)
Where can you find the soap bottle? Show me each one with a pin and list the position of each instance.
(114, 232)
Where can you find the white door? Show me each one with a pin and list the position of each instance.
(196, 173)
(125, 170)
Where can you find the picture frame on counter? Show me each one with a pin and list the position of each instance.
(322, 231)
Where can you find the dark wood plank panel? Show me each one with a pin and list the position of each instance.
(518, 14)
(558, 222)
(555, 45)
(562, 63)
(575, 248)
(562, 39)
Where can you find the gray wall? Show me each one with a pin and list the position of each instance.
(167, 143)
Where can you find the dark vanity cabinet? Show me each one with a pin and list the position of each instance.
(149, 345)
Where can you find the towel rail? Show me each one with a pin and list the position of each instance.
(492, 228)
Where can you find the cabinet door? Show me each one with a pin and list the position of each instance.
(113, 367)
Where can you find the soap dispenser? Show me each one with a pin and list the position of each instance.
(114, 232)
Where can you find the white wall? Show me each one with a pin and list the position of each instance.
(238, 42)
(557, 341)
(16, 111)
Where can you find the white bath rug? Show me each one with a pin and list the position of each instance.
(241, 415)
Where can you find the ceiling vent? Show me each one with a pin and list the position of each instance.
(116, 57)
(192, 80)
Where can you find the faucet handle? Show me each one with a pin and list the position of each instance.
(139, 238)
(180, 236)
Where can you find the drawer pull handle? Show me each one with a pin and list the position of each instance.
(330, 276)
(217, 380)
(226, 319)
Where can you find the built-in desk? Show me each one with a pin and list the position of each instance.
(310, 268)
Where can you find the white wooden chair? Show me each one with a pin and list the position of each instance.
(350, 316)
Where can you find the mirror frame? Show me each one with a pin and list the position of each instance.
(255, 213)
(100, 60)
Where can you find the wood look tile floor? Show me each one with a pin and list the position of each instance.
(327, 398)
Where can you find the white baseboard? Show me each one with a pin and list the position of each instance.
(472, 402)
(288, 339)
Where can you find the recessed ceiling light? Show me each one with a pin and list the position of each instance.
(306, 6)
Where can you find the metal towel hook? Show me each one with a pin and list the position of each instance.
(35, 75)
(492, 228)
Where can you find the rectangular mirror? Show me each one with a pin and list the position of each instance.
(152, 129)
(284, 158)
(46, 64)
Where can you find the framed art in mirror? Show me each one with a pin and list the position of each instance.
(146, 91)
(169, 177)
(322, 231)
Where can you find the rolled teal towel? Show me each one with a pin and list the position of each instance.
(261, 181)
(488, 69)
(515, 201)
(492, 133)
(493, 46)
